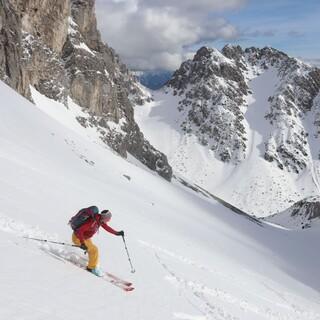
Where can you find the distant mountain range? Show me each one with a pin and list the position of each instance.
(154, 79)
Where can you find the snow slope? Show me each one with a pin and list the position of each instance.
(303, 214)
(195, 259)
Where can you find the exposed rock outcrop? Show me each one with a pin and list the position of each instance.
(301, 215)
(11, 67)
(45, 19)
(214, 88)
(55, 46)
(292, 100)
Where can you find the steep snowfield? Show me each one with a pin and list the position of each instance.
(160, 122)
(255, 185)
(194, 258)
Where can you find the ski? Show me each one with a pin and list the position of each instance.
(118, 283)
(124, 282)
(108, 277)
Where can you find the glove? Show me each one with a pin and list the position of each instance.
(120, 233)
(83, 247)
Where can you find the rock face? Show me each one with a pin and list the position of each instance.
(55, 47)
(214, 90)
(11, 70)
(48, 20)
(291, 103)
(301, 215)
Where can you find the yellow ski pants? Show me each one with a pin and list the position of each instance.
(93, 251)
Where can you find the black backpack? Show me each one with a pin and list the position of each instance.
(83, 216)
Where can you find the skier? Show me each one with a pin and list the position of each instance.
(83, 234)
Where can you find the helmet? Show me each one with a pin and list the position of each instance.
(106, 215)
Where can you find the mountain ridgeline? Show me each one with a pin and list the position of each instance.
(214, 89)
(244, 125)
(55, 47)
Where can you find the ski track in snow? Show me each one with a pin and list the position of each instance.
(188, 261)
(207, 300)
(24, 232)
(19, 229)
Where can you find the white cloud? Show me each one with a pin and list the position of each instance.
(199, 5)
(152, 34)
(315, 61)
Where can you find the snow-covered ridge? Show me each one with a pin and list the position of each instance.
(214, 90)
(293, 98)
(243, 124)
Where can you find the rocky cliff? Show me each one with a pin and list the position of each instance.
(11, 69)
(214, 90)
(293, 99)
(55, 47)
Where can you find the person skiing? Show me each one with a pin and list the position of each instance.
(82, 235)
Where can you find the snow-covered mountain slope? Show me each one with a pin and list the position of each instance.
(303, 214)
(243, 125)
(194, 258)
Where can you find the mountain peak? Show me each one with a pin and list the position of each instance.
(232, 52)
(271, 54)
(203, 52)
(212, 55)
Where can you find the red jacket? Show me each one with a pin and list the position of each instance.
(90, 227)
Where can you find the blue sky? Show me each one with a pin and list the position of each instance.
(160, 34)
(289, 25)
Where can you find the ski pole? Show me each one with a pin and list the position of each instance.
(61, 243)
(125, 245)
